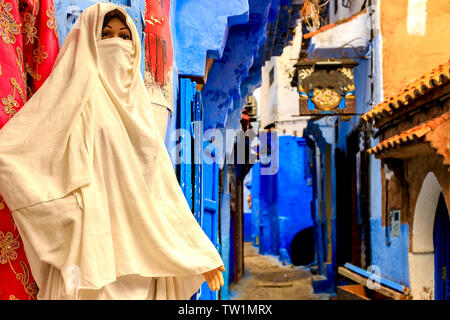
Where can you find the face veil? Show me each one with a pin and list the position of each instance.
(89, 181)
(116, 66)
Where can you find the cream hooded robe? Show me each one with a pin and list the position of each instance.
(89, 181)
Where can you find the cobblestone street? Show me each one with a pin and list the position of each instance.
(267, 279)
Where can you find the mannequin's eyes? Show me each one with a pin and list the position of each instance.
(105, 34)
(108, 34)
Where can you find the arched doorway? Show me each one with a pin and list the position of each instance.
(302, 247)
(441, 237)
(421, 258)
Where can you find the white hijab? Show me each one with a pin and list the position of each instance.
(89, 131)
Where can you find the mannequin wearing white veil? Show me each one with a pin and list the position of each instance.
(90, 183)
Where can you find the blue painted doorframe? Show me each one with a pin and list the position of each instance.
(68, 11)
(198, 155)
(185, 168)
(442, 251)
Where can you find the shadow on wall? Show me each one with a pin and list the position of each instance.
(302, 247)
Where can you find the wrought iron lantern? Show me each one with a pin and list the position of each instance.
(326, 87)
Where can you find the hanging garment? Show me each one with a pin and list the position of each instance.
(90, 183)
(28, 49)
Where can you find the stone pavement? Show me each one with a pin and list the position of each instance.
(265, 278)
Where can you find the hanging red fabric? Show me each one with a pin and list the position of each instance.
(28, 49)
(158, 43)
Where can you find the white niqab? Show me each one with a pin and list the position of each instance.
(116, 65)
(88, 179)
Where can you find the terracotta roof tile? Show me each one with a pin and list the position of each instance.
(409, 135)
(411, 92)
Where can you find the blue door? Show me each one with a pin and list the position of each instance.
(68, 11)
(198, 173)
(210, 207)
(185, 139)
(442, 251)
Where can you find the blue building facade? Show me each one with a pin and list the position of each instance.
(281, 202)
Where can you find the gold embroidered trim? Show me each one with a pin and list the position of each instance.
(9, 27)
(19, 89)
(51, 23)
(8, 246)
(29, 29)
(39, 54)
(19, 62)
(34, 75)
(10, 105)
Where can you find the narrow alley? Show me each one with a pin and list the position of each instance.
(265, 278)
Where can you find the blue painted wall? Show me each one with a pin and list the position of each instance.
(247, 226)
(281, 202)
(225, 91)
(294, 196)
(268, 219)
(225, 229)
(392, 260)
(383, 255)
(200, 30)
(247, 210)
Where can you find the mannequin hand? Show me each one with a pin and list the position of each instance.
(214, 278)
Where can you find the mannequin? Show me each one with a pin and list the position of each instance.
(90, 183)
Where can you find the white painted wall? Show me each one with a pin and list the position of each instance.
(279, 101)
(269, 94)
(343, 12)
(417, 17)
(421, 257)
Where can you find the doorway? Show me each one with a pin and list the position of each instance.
(441, 239)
